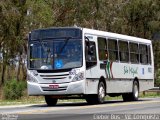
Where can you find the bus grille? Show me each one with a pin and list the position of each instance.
(62, 76)
(53, 89)
(54, 77)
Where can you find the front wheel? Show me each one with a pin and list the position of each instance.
(100, 97)
(51, 101)
(101, 93)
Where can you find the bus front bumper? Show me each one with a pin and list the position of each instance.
(71, 88)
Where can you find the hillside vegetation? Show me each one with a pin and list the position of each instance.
(140, 18)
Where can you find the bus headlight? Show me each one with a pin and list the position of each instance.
(31, 78)
(78, 77)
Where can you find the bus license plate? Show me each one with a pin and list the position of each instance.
(54, 86)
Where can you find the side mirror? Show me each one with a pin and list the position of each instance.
(91, 50)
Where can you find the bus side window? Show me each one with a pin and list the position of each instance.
(102, 47)
(143, 54)
(134, 52)
(123, 51)
(112, 49)
(149, 54)
(91, 58)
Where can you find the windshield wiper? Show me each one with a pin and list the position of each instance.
(47, 51)
(67, 39)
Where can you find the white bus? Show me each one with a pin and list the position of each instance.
(69, 62)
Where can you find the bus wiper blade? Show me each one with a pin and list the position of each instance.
(67, 39)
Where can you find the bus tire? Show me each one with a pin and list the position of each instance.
(134, 95)
(99, 97)
(135, 91)
(101, 92)
(51, 101)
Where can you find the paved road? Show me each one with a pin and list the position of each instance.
(115, 110)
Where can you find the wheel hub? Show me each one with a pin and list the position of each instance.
(101, 92)
(136, 91)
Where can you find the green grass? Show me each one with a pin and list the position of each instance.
(23, 100)
(150, 95)
(40, 99)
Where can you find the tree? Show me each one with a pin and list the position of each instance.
(131, 17)
(158, 78)
(12, 18)
(139, 15)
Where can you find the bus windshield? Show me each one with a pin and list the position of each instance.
(55, 54)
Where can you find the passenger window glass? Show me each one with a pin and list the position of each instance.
(134, 53)
(143, 54)
(102, 46)
(91, 58)
(123, 51)
(149, 54)
(112, 49)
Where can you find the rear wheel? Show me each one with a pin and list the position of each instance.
(51, 101)
(101, 93)
(134, 95)
(100, 97)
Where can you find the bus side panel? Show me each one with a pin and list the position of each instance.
(91, 86)
(125, 86)
(145, 85)
(131, 71)
(119, 86)
(122, 76)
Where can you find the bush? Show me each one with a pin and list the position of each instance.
(13, 89)
(157, 81)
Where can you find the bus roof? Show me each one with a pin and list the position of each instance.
(115, 35)
(104, 34)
